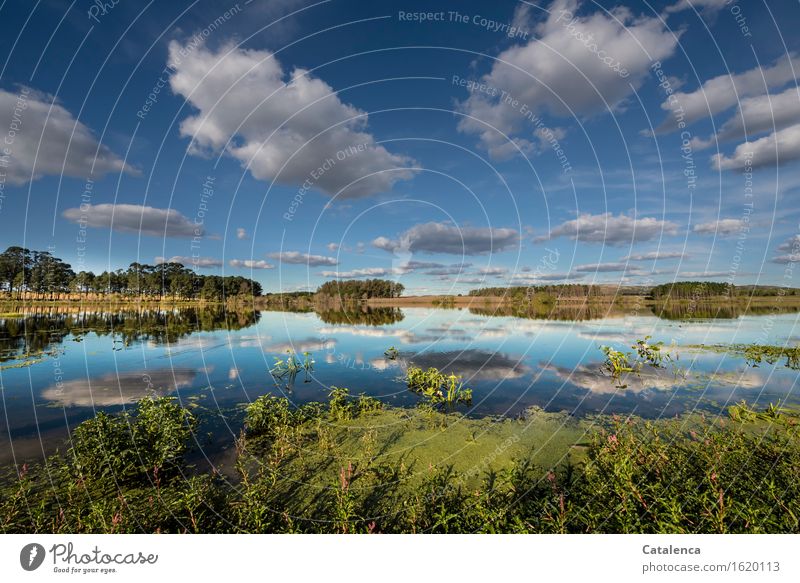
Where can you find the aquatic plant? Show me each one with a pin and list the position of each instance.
(291, 365)
(392, 353)
(618, 363)
(755, 354)
(436, 387)
(652, 353)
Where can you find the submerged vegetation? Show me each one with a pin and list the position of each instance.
(755, 354)
(331, 468)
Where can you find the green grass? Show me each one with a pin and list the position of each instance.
(353, 466)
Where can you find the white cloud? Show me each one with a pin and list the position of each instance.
(613, 230)
(563, 71)
(719, 227)
(655, 255)
(445, 238)
(492, 270)
(788, 258)
(602, 267)
(710, 6)
(332, 247)
(709, 274)
(448, 270)
(48, 140)
(250, 264)
(782, 146)
(365, 272)
(241, 233)
(791, 249)
(763, 113)
(280, 126)
(298, 258)
(190, 261)
(134, 218)
(724, 91)
(791, 244)
(538, 278)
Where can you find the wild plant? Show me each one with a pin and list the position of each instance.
(339, 406)
(269, 416)
(436, 387)
(652, 353)
(617, 364)
(291, 365)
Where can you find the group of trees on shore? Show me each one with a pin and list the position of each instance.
(354, 289)
(41, 274)
(692, 290)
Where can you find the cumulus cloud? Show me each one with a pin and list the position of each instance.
(190, 261)
(241, 233)
(446, 238)
(492, 270)
(719, 227)
(709, 6)
(332, 247)
(790, 249)
(364, 272)
(708, 274)
(566, 69)
(787, 258)
(655, 255)
(601, 267)
(724, 91)
(48, 140)
(298, 258)
(448, 270)
(612, 230)
(760, 114)
(250, 263)
(536, 278)
(280, 125)
(134, 218)
(791, 244)
(778, 147)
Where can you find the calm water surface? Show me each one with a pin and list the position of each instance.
(214, 363)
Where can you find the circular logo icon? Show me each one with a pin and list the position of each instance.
(31, 556)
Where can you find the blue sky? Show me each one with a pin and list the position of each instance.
(447, 145)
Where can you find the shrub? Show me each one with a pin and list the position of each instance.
(128, 447)
(269, 416)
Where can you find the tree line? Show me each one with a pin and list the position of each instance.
(41, 274)
(361, 289)
(692, 290)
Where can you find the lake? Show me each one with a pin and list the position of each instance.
(60, 369)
